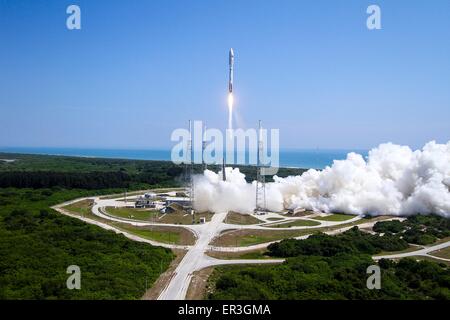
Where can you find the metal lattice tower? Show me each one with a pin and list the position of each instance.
(189, 169)
(204, 164)
(260, 178)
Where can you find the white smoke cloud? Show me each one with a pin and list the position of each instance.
(392, 180)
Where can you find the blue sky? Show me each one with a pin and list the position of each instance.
(139, 69)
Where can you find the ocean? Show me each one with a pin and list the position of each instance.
(298, 158)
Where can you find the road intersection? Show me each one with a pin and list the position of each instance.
(196, 257)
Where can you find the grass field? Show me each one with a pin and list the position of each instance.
(81, 207)
(335, 217)
(295, 223)
(410, 249)
(248, 237)
(429, 258)
(238, 218)
(254, 254)
(443, 253)
(154, 216)
(136, 214)
(171, 235)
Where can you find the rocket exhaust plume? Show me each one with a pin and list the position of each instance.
(393, 180)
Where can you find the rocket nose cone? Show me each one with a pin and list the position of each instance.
(231, 52)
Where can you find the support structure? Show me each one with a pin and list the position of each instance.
(224, 176)
(261, 206)
(204, 164)
(189, 170)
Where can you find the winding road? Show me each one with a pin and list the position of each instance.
(196, 258)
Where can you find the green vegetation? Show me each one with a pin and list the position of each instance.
(37, 245)
(339, 277)
(153, 233)
(351, 242)
(335, 217)
(175, 217)
(44, 171)
(332, 267)
(129, 213)
(82, 207)
(247, 237)
(393, 226)
(443, 253)
(295, 223)
(254, 254)
(417, 229)
(244, 219)
(171, 235)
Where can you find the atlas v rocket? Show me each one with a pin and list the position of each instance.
(230, 91)
(231, 67)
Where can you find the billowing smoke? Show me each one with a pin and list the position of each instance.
(393, 180)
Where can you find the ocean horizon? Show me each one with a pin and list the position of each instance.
(294, 158)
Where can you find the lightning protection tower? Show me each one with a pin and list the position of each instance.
(260, 178)
(189, 170)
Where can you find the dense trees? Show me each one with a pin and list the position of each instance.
(71, 180)
(37, 245)
(351, 241)
(417, 229)
(334, 267)
(39, 171)
(342, 276)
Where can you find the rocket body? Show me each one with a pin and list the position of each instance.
(231, 67)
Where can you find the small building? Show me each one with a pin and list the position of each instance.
(144, 202)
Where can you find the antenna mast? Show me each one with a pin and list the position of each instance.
(260, 178)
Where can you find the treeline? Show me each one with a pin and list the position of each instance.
(341, 277)
(333, 267)
(69, 180)
(417, 229)
(38, 171)
(37, 245)
(352, 241)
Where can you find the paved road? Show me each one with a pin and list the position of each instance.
(192, 261)
(422, 252)
(195, 258)
(126, 234)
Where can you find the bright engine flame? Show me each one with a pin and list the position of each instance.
(230, 101)
(230, 110)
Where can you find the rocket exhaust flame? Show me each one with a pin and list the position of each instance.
(230, 111)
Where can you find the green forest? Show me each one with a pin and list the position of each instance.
(39, 171)
(334, 267)
(37, 245)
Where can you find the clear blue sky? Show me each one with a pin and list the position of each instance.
(139, 69)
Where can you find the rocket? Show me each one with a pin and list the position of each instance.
(231, 66)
